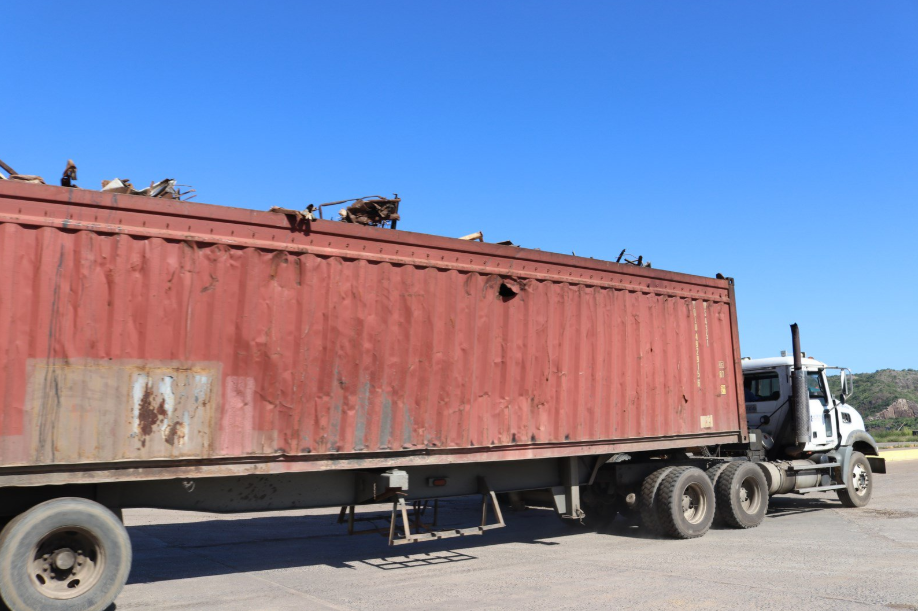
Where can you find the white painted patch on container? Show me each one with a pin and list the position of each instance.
(168, 392)
(201, 389)
(137, 390)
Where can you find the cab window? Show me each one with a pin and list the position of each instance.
(815, 387)
(761, 386)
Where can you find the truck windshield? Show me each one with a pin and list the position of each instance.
(761, 386)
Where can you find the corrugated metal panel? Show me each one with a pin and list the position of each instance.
(133, 329)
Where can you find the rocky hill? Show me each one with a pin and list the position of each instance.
(901, 408)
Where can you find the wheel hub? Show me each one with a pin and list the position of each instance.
(64, 559)
(860, 479)
(749, 495)
(66, 563)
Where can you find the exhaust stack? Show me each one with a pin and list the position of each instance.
(800, 395)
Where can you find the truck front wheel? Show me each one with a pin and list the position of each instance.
(859, 482)
(66, 554)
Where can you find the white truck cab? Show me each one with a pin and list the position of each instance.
(810, 440)
(833, 422)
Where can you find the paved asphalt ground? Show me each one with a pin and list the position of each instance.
(811, 553)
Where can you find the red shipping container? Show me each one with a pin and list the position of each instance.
(141, 337)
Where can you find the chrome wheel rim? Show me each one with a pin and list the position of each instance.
(860, 480)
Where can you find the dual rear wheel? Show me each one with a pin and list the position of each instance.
(741, 493)
(682, 502)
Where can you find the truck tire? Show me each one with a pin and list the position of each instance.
(647, 502)
(685, 503)
(859, 484)
(741, 495)
(714, 472)
(66, 554)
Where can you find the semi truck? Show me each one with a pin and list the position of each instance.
(168, 354)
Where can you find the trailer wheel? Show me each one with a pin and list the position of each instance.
(685, 504)
(647, 502)
(859, 484)
(742, 495)
(66, 554)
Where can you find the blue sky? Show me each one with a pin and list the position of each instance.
(776, 142)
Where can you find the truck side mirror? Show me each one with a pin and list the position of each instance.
(847, 385)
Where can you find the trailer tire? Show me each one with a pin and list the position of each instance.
(741, 494)
(66, 554)
(647, 502)
(685, 504)
(859, 484)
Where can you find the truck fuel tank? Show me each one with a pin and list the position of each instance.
(790, 475)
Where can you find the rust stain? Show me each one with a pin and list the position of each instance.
(175, 433)
(149, 416)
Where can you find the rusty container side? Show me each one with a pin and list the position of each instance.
(135, 330)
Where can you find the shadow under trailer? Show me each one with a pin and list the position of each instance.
(186, 356)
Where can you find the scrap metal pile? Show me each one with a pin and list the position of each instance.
(166, 188)
(375, 211)
(370, 211)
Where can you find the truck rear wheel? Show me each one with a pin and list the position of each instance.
(66, 554)
(742, 495)
(685, 503)
(647, 502)
(714, 472)
(859, 484)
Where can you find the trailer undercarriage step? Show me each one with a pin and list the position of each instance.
(828, 465)
(821, 488)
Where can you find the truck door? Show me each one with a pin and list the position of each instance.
(822, 418)
(766, 406)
